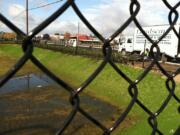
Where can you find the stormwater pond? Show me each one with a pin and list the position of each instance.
(26, 82)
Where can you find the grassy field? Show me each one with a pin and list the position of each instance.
(110, 87)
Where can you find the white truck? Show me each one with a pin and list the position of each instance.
(169, 46)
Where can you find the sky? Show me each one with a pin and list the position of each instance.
(105, 15)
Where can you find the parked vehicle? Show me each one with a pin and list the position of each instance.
(95, 43)
(169, 45)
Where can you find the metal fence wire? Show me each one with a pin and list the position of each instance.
(134, 9)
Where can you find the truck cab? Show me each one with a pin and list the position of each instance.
(72, 42)
(126, 44)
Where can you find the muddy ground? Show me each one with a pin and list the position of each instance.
(170, 68)
(43, 110)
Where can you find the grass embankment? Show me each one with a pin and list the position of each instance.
(109, 86)
(8, 59)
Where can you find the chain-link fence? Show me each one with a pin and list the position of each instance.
(134, 9)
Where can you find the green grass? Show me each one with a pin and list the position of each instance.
(111, 87)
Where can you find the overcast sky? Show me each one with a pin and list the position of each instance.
(105, 15)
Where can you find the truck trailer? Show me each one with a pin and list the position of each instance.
(169, 45)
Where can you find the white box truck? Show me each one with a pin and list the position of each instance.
(169, 45)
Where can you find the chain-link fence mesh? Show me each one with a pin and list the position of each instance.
(134, 9)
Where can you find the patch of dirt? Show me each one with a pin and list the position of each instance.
(177, 78)
(170, 68)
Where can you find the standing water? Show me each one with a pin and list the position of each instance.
(26, 82)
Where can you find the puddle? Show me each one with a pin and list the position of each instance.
(26, 82)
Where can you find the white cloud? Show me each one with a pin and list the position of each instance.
(3, 27)
(61, 27)
(1, 3)
(15, 9)
(65, 26)
(17, 15)
(109, 15)
(106, 16)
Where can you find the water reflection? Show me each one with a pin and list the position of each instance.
(26, 82)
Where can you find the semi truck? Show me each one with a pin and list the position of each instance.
(169, 45)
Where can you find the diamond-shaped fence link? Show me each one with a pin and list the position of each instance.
(134, 9)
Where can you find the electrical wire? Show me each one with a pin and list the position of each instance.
(45, 5)
(34, 8)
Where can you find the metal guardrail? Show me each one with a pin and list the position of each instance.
(134, 9)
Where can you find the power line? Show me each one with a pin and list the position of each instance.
(34, 8)
(39, 3)
(45, 5)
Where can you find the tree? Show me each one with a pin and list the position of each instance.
(46, 36)
(67, 35)
(56, 34)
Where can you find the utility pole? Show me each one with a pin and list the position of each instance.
(78, 35)
(27, 23)
(77, 40)
(178, 52)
